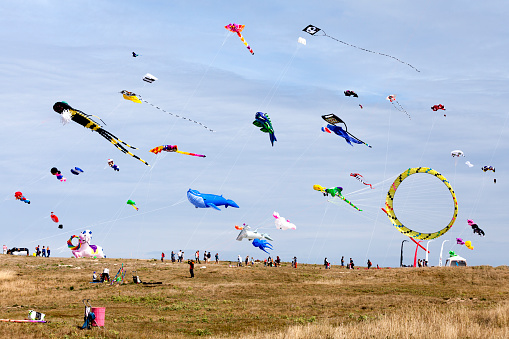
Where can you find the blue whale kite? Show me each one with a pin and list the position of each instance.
(202, 200)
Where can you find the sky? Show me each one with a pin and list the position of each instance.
(81, 52)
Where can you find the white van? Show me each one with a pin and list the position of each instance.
(456, 261)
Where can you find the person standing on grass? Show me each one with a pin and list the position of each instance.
(208, 256)
(342, 261)
(369, 264)
(205, 256)
(44, 251)
(179, 256)
(239, 261)
(351, 264)
(197, 257)
(191, 267)
(162, 257)
(47, 251)
(5, 249)
(247, 259)
(217, 258)
(326, 263)
(294, 262)
(172, 256)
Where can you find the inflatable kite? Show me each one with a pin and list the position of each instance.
(334, 192)
(149, 78)
(301, 41)
(392, 215)
(76, 171)
(437, 107)
(468, 244)
(130, 96)
(234, 28)
(332, 120)
(469, 164)
(282, 223)
(132, 203)
(112, 165)
(351, 93)
(475, 228)
(19, 196)
(488, 168)
(361, 179)
(173, 148)
(136, 98)
(135, 55)
(54, 217)
(58, 174)
(262, 120)
(457, 153)
(452, 254)
(245, 233)
(201, 200)
(83, 249)
(68, 113)
(459, 241)
(262, 244)
(394, 102)
(310, 29)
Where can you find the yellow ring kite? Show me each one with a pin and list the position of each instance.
(392, 216)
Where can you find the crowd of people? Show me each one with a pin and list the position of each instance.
(179, 257)
(45, 252)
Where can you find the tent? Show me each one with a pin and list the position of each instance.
(456, 261)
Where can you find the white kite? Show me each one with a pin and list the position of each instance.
(245, 233)
(282, 223)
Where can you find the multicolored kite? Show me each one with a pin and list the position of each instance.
(335, 192)
(361, 179)
(68, 113)
(173, 148)
(19, 196)
(333, 119)
(132, 203)
(130, 96)
(262, 120)
(58, 174)
(392, 99)
(237, 29)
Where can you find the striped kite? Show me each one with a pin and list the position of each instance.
(335, 192)
(173, 148)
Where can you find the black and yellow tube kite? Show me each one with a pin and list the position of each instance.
(392, 215)
(68, 113)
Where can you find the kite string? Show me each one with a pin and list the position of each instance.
(370, 51)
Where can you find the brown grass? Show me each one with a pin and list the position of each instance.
(260, 302)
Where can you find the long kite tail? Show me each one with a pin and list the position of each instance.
(348, 201)
(401, 109)
(367, 50)
(193, 154)
(245, 43)
(118, 144)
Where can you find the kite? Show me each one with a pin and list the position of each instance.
(132, 203)
(351, 93)
(19, 196)
(457, 153)
(459, 241)
(282, 223)
(360, 178)
(173, 148)
(332, 120)
(475, 228)
(310, 29)
(112, 165)
(360, 106)
(130, 96)
(469, 164)
(58, 174)
(250, 235)
(334, 192)
(69, 113)
(437, 107)
(54, 217)
(133, 97)
(234, 28)
(135, 55)
(262, 120)
(468, 244)
(392, 99)
(301, 41)
(488, 168)
(149, 78)
(392, 216)
(262, 244)
(201, 200)
(83, 249)
(452, 254)
(76, 171)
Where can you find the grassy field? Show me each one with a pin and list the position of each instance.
(254, 302)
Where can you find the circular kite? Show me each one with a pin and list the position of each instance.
(392, 216)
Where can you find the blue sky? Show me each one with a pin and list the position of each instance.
(80, 52)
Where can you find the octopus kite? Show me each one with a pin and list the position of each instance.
(262, 120)
(332, 120)
(58, 174)
(68, 113)
(310, 29)
(262, 244)
(394, 102)
(334, 192)
(361, 179)
(19, 196)
(173, 148)
(234, 28)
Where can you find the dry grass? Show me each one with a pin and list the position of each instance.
(254, 302)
